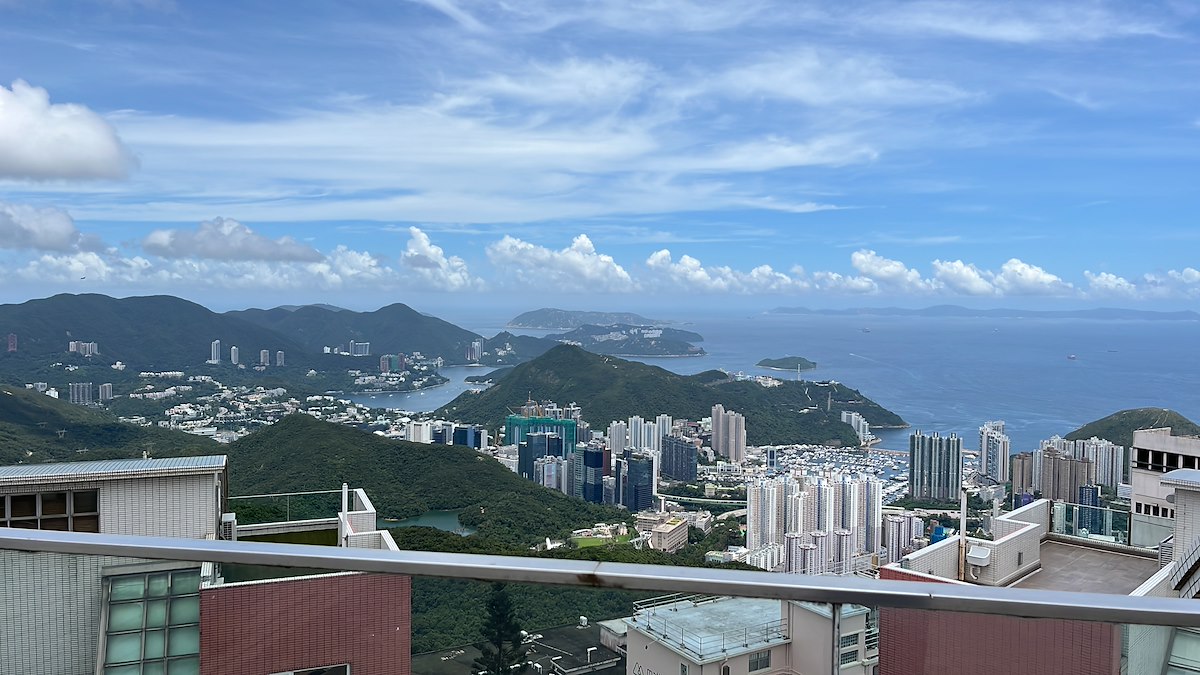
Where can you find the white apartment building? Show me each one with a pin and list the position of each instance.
(1155, 452)
(994, 451)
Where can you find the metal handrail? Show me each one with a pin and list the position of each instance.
(1015, 602)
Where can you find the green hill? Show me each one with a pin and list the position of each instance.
(1119, 426)
(406, 479)
(30, 423)
(609, 388)
(550, 318)
(627, 340)
(787, 363)
(157, 332)
(392, 329)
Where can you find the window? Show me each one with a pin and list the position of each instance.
(74, 511)
(683, 669)
(848, 657)
(849, 640)
(1020, 558)
(343, 669)
(724, 670)
(153, 623)
(760, 660)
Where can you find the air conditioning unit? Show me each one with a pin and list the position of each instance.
(229, 526)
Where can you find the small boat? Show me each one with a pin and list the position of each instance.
(866, 330)
(1072, 357)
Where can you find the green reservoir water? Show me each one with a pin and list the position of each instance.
(442, 520)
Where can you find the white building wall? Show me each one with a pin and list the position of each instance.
(181, 506)
(49, 611)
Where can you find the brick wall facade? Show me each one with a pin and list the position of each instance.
(919, 642)
(260, 628)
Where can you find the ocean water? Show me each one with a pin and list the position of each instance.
(951, 374)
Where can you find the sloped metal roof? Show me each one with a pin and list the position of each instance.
(110, 469)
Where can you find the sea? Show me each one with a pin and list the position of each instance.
(943, 374)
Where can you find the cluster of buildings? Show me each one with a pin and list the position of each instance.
(351, 348)
(861, 427)
(829, 523)
(264, 356)
(74, 346)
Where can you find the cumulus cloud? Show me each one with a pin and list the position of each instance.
(46, 141)
(841, 283)
(577, 267)
(963, 278)
(47, 229)
(689, 274)
(1106, 283)
(433, 267)
(889, 273)
(1017, 277)
(226, 239)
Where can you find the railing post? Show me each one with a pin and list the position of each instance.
(835, 660)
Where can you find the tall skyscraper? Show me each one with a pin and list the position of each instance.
(1091, 516)
(593, 473)
(679, 458)
(934, 466)
(264, 357)
(216, 352)
(1063, 475)
(12, 342)
(535, 446)
(639, 482)
(106, 391)
(902, 533)
(81, 393)
(517, 427)
(233, 355)
(618, 438)
(728, 434)
(1112, 466)
(279, 358)
(993, 451)
(637, 433)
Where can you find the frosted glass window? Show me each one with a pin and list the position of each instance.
(158, 585)
(123, 648)
(156, 613)
(183, 641)
(132, 669)
(127, 588)
(183, 583)
(187, 666)
(155, 644)
(185, 610)
(125, 616)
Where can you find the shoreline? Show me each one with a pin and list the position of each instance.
(785, 370)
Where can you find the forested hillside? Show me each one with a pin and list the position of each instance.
(609, 388)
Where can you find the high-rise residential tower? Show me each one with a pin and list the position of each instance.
(993, 451)
(934, 466)
(215, 356)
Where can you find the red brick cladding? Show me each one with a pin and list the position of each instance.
(360, 619)
(918, 642)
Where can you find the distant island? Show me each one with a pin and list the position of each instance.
(787, 363)
(626, 340)
(1100, 314)
(549, 318)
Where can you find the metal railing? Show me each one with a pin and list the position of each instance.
(836, 591)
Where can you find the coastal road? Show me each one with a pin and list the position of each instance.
(732, 514)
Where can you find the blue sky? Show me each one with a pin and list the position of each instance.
(602, 154)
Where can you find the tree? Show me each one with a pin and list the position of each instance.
(504, 652)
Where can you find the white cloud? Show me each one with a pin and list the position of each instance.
(833, 281)
(226, 239)
(1014, 22)
(823, 78)
(888, 273)
(433, 267)
(40, 140)
(1187, 275)
(1109, 284)
(964, 278)
(46, 229)
(573, 82)
(689, 274)
(577, 267)
(1017, 277)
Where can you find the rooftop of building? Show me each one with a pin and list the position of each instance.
(558, 650)
(708, 628)
(110, 469)
(1070, 567)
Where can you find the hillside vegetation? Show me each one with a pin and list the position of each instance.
(1119, 426)
(787, 363)
(609, 388)
(30, 422)
(392, 329)
(159, 332)
(564, 319)
(406, 479)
